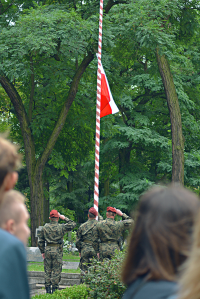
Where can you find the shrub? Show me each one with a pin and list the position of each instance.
(74, 292)
(103, 278)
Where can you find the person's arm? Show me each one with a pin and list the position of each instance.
(100, 218)
(69, 225)
(78, 240)
(127, 221)
(96, 240)
(41, 243)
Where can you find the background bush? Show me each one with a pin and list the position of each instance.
(74, 292)
(103, 278)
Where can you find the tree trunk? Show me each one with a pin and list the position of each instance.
(37, 200)
(35, 167)
(106, 187)
(46, 203)
(124, 162)
(175, 117)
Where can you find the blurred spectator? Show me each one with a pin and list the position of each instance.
(10, 160)
(189, 283)
(13, 271)
(160, 242)
(14, 215)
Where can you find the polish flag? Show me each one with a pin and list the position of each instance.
(108, 105)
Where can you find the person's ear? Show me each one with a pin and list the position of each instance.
(10, 226)
(10, 180)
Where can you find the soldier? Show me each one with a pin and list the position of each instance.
(52, 254)
(109, 231)
(87, 240)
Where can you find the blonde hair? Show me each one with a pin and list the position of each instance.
(10, 160)
(189, 282)
(10, 208)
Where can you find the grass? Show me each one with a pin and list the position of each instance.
(34, 266)
(71, 257)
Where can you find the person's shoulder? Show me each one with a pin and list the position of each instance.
(86, 224)
(99, 223)
(160, 288)
(173, 297)
(152, 289)
(45, 227)
(7, 239)
(10, 243)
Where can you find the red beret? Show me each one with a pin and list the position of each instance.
(93, 211)
(111, 209)
(54, 214)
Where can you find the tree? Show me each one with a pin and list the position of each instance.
(45, 45)
(44, 54)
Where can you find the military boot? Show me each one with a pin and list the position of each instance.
(48, 290)
(54, 289)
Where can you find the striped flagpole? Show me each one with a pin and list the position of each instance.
(97, 143)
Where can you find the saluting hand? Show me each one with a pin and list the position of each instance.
(119, 212)
(62, 217)
(43, 256)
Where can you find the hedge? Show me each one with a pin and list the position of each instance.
(104, 278)
(74, 292)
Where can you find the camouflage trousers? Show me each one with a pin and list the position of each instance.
(108, 250)
(87, 254)
(53, 266)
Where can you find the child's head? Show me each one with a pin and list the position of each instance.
(14, 215)
(9, 162)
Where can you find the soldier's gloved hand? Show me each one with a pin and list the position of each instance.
(62, 217)
(119, 212)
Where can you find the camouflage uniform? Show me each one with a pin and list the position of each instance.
(87, 242)
(109, 232)
(53, 233)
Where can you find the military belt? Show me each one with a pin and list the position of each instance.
(110, 242)
(53, 244)
(87, 241)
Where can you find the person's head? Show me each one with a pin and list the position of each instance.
(111, 212)
(161, 238)
(9, 162)
(92, 213)
(54, 215)
(14, 215)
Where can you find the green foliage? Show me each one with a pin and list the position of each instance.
(48, 41)
(103, 278)
(74, 292)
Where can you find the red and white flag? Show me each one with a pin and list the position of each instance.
(108, 105)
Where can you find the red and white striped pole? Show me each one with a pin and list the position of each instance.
(97, 143)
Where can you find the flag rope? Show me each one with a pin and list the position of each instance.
(98, 107)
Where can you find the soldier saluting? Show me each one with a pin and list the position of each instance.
(87, 240)
(52, 233)
(109, 230)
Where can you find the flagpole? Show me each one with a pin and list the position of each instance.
(98, 106)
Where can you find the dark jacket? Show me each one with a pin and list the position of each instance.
(161, 289)
(13, 271)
